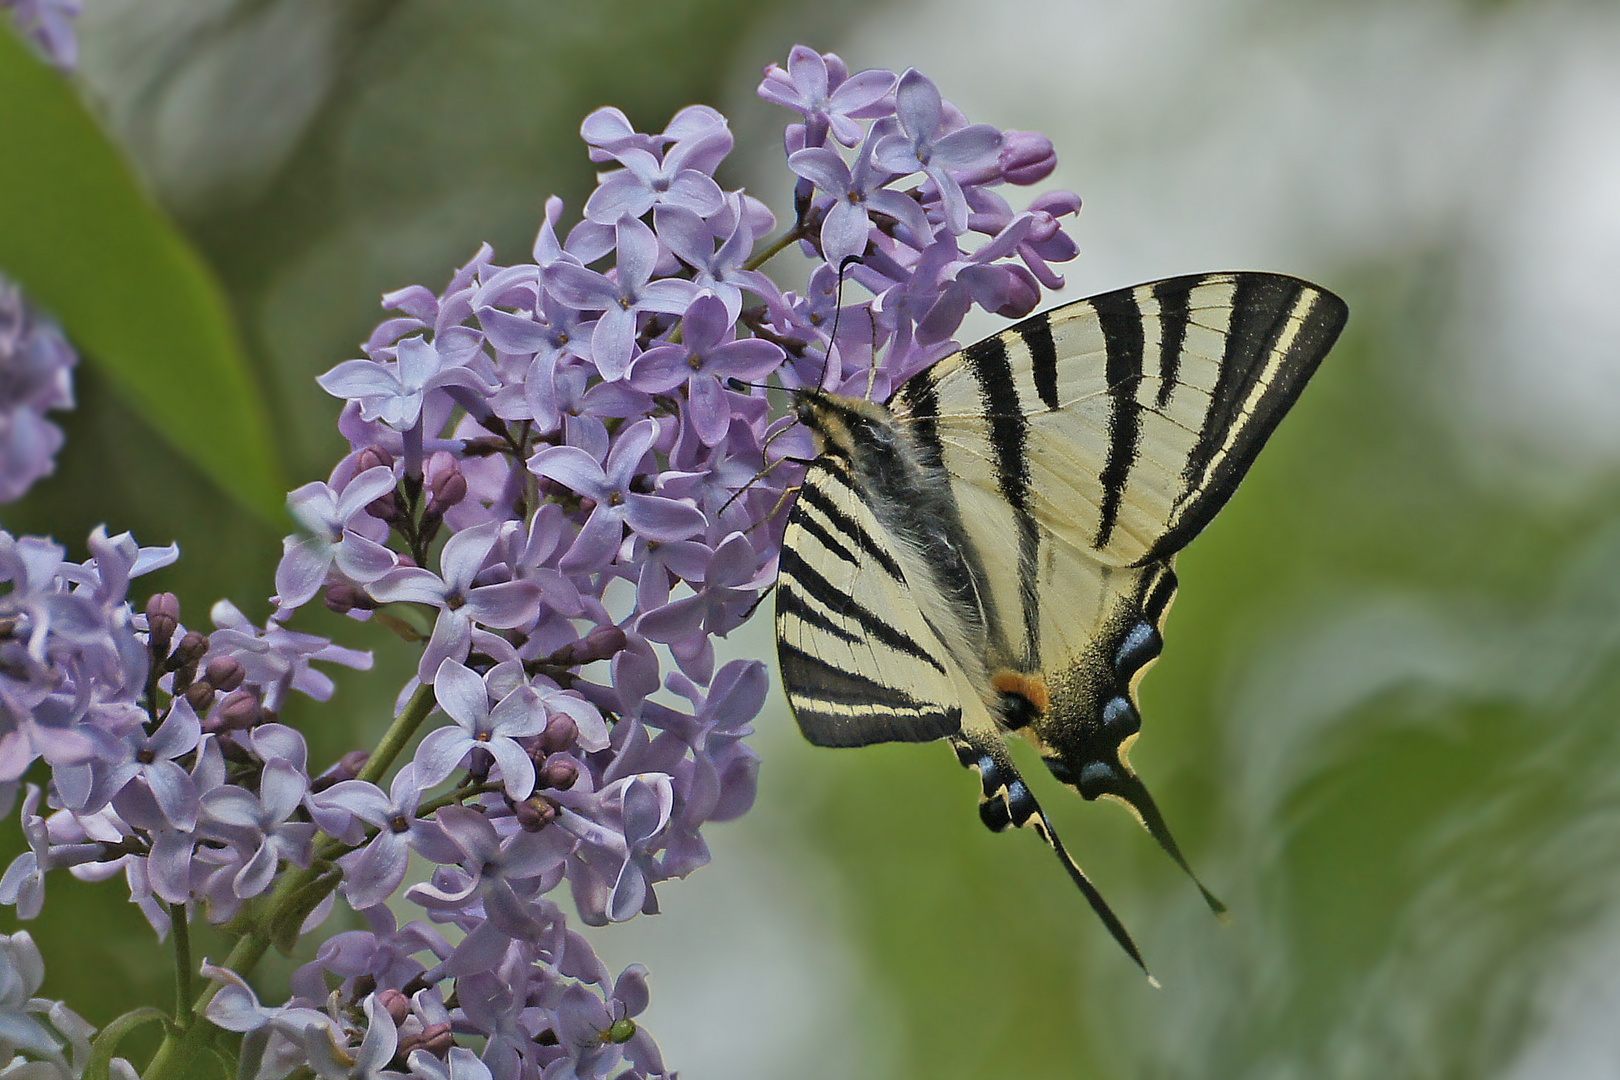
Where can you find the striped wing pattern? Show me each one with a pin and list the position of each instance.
(1011, 518)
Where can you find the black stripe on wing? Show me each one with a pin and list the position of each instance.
(1121, 321)
(835, 707)
(1278, 331)
(798, 576)
(1009, 437)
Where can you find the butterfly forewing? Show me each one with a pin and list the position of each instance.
(860, 663)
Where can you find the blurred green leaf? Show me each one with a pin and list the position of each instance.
(80, 234)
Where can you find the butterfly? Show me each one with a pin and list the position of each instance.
(991, 551)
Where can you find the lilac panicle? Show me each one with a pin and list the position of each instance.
(36, 376)
(566, 479)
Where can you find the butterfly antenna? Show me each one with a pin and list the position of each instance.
(1007, 800)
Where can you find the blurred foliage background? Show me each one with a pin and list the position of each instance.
(1384, 726)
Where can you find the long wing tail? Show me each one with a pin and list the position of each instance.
(1007, 800)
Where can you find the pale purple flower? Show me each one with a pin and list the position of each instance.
(393, 393)
(709, 352)
(460, 601)
(682, 178)
(465, 696)
(831, 100)
(924, 148)
(622, 297)
(23, 885)
(328, 516)
(857, 192)
(260, 822)
(277, 659)
(618, 504)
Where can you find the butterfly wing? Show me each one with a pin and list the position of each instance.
(860, 662)
(1104, 436)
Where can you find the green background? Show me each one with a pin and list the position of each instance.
(1384, 726)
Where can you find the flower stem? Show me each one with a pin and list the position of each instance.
(180, 934)
(300, 889)
(775, 248)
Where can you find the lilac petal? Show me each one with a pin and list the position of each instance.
(660, 369)
(597, 543)
(439, 754)
(705, 324)
(693, 191)
(966, 148)
(451, 640)
(571, 467)
(282, 787)
(648, 801)
(621, 194)
(671, 296)
(175, 793)
(363, 561)
(917, 104)
(256, 874)
(638, 253)
(709, 411)
(822, 167)
(409, 584)
(902, 208)
(629, 895)
(461, 694)
(578, 288)
(844, 231)
(504, 605)
(613, 341)
(658, 518)
(377, 871)
(630, 990)
(232, 806)
(517, 768)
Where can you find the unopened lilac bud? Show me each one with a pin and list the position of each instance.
(200, 695)
(239, 711)
(561, 774)
(1027, 157)
(371, 457)
(395, 1004)
(436, 1039)
(384, 507)
(183, 661)
(224, 673)
(535, 813)
(586, 504)
(603, 643)
(162, 619)
(447, 492)
(560, 733)
(347, 768)
(1019, 294)
(342, 597)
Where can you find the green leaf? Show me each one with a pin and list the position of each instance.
(98, 1065)
(82, 237)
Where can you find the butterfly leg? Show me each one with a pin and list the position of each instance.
(1007, 800)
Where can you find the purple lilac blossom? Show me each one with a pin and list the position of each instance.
(36, 366)
(49, 23)
(584, 447)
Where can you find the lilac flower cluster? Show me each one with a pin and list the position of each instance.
(36, 366)
(49, 23)
(565, 481)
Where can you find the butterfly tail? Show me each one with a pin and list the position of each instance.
(1121, 784)
(1007, 800)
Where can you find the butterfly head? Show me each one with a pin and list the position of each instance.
(841, 423)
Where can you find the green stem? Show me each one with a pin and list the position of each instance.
(775, 248)
(181, 1046)
(180, 934)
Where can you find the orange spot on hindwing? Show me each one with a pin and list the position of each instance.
(1023, 697)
